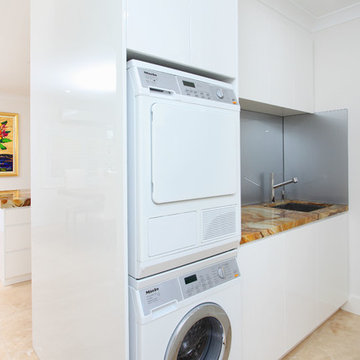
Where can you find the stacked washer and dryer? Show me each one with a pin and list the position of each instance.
(184, 215)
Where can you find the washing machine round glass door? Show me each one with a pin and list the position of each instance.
(204, 333)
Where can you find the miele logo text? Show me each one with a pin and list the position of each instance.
(149, 73)
(151, 291)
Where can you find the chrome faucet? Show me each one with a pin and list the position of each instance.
(273, 187)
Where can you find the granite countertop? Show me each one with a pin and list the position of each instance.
(15, 198)
(259, 221)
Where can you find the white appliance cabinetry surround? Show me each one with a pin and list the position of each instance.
(292, 282)
(275, 58)
(15, 253)
(196, 33)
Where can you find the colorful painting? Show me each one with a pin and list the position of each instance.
(8, 144)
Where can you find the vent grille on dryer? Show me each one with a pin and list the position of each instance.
(219, 222)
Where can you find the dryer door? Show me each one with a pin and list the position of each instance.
(203, 334)
(194, 152)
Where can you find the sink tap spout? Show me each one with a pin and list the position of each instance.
(294, 180)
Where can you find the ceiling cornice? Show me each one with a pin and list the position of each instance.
(307, 20)
(337, 17)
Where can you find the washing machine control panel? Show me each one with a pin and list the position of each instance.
(185, 286)
(209, 277)
(167, 84)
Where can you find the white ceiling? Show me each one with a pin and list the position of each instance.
(14, 47)
(320, 8)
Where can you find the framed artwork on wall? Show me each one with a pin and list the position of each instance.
(9, 144)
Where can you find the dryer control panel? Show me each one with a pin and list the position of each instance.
(188, 285)
(165, 83)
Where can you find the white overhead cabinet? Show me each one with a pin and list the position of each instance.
(275, 58)
(159, 28)
(213, 36)
(195, 33)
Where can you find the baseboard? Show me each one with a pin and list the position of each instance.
(16, 279)
(353, 305)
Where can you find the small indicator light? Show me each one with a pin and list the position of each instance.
(236, 275)
(234, 102)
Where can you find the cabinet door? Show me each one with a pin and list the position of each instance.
(300, 284)
(275, 58)
(159, 28)
(302, 60)
(254, 45)
(332, 263)
(213, 36)
(262, 271)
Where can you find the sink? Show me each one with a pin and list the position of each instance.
(300, 207)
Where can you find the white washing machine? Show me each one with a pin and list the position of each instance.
(184, 168)
(189, 313)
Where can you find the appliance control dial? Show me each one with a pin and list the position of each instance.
(220, 93)
(221, 272)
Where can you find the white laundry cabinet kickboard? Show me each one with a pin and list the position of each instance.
(15, 243)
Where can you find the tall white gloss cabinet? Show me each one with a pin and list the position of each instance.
(201, 34)
(78, 180)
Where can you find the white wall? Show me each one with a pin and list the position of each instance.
(21, 105)
(337, 82)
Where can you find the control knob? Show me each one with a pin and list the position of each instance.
(220, 93)
(221, 272)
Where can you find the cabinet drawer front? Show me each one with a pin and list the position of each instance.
(17, 237)
(18, 216)
(17, 263)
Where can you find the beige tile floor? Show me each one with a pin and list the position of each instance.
(336, 339)
(15, 322)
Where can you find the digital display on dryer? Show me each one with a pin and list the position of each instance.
(190, 279)
(188, 83)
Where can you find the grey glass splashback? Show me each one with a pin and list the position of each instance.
(312, 147)
(261, 154)
(316, 151)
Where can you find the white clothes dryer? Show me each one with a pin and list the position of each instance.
(183, 168)
(189, 313)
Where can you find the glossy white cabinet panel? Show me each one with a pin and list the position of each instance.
(292, 282)
(279, 60)
(194, 33)
(213, 36)
(18, 237)
(78, 180)
(15, 216)
(261, 265)
(275, 58)
(300, 284)
(15, 243)
(17, 264)
(332, 260)
(160, 28)
(254, 38)
(302, 61)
